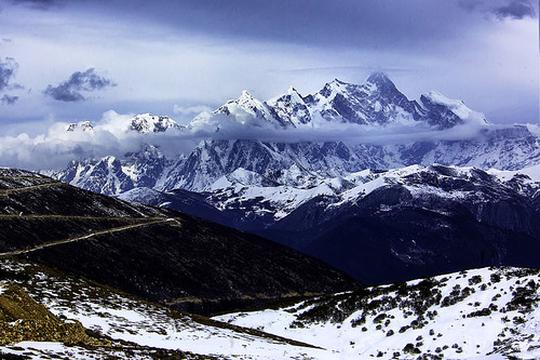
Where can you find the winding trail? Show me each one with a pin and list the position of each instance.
(78, 217)
(5, 192)
(88, 236)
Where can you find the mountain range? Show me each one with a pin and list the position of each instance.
(306, 194)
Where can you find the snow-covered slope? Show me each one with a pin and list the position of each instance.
(148, 123)
(138, 329)
(274, 201)
(486, 313)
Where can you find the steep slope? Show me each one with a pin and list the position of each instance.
(156, 254)
(487, 313)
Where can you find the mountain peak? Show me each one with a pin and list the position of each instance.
(379, 78)
(446, 112)
(148, 123)
(337, 81)
(85, 126)
(245, 94)
(292, 91)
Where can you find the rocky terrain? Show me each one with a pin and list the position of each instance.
(488, 313)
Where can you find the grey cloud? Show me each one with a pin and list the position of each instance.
(339, 23)
(8, 99)
(515, 9)
(8, 68)
(37, 4)
(71, 89)
(502, 9)
(470, 5)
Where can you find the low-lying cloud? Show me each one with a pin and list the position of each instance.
(190, 110)
(111, 136)
(78, 83)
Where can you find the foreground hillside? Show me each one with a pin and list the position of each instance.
(45, 314)
(158, 255)
(489, 313)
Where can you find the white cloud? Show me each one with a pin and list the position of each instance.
(111, 136)
(190, 110)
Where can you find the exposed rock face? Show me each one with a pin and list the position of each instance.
(23, 319)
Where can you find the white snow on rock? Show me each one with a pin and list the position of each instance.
(458, 107)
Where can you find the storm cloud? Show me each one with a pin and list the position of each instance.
(79, 82)
(501, 9)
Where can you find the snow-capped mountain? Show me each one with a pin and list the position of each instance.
(304, 164)
(148, 123)
(372, 210)
(84, 126)
(141, 123)
(381, 226)
(301, 165)
(376, 102)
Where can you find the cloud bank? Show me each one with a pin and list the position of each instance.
(111, 136)
(71, 90)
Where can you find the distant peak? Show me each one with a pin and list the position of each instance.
(291, 90)
(246, 95)
(336, 81)
(85, 126)
(379, 78)
(333, 86)
(148, 123)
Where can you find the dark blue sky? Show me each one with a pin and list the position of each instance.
(73, 60)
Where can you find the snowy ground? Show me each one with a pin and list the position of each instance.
(487, 313)
(473, 314)
(123, 318)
